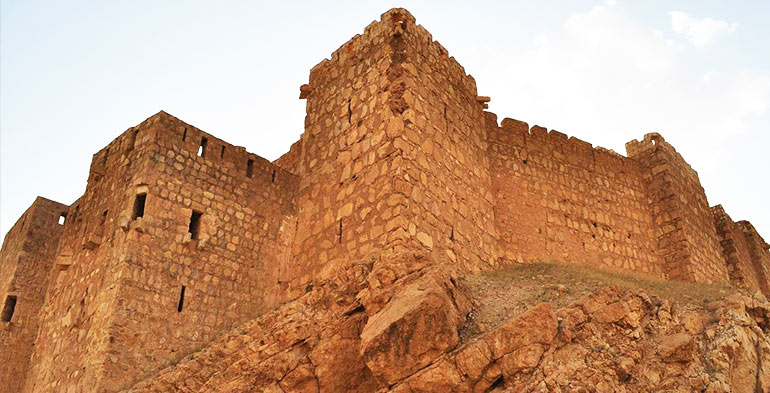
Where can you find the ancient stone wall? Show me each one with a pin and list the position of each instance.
(180, 236)
(560, 199)
(684, 225)
(346, 159)
(140, 289)
(74, 335)
(25, 264)
(735, 250)
(444, 177)
(760, 255)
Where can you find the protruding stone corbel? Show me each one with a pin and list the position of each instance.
(483, 100)
(304, 91)
(64, 260)
(92, 241)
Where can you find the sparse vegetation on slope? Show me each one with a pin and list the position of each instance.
(501, 294)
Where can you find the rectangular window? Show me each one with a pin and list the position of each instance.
(62, 218)
(222, 153)
(103, 218)
(195, 224)
(250, 168)
(139, 206)
(202, 148)
(180, 306)
(9, 308)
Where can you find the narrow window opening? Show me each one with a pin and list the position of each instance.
(250, 168)
(9, 308)
(202, 147)
(272, 178)
(180, 306)
(62, 218)
(184, 135)
(222, 153)
(524, 162)
(138, 211)
(103, 218)
(452, 235)
(195, 224)
(350, 113)
(339, 233)
(446, 121)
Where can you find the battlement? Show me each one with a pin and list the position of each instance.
(565, 147)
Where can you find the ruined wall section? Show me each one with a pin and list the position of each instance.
(735, 250)
(444, 176)
(561, 199)
(687, 237)
(290, 161)
(25, 264)
(345, 158)
(760, 255)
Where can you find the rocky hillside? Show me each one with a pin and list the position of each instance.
(405, 325)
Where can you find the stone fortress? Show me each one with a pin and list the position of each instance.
(181, 239)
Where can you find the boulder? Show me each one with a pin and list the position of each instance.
(418, 325)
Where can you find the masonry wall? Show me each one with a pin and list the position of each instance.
(736, 251)
(113, 314)
(444, 177)
(71, 348)
(397, 157)
(684, 225)
(25, 264)
(346, 159)
(560, 199)
(760, 255)
(229, 273)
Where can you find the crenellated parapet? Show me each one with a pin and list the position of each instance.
(561, 199)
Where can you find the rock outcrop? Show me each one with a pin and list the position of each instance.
(391, 325)
(615, 340)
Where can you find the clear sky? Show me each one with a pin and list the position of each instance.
(75, 74)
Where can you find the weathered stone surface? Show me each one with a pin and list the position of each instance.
(418, 325)
(536, 326)
(194, 265)
(598, 354)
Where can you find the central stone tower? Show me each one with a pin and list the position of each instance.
(393, 155)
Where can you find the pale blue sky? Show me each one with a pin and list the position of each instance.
(75, 74)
